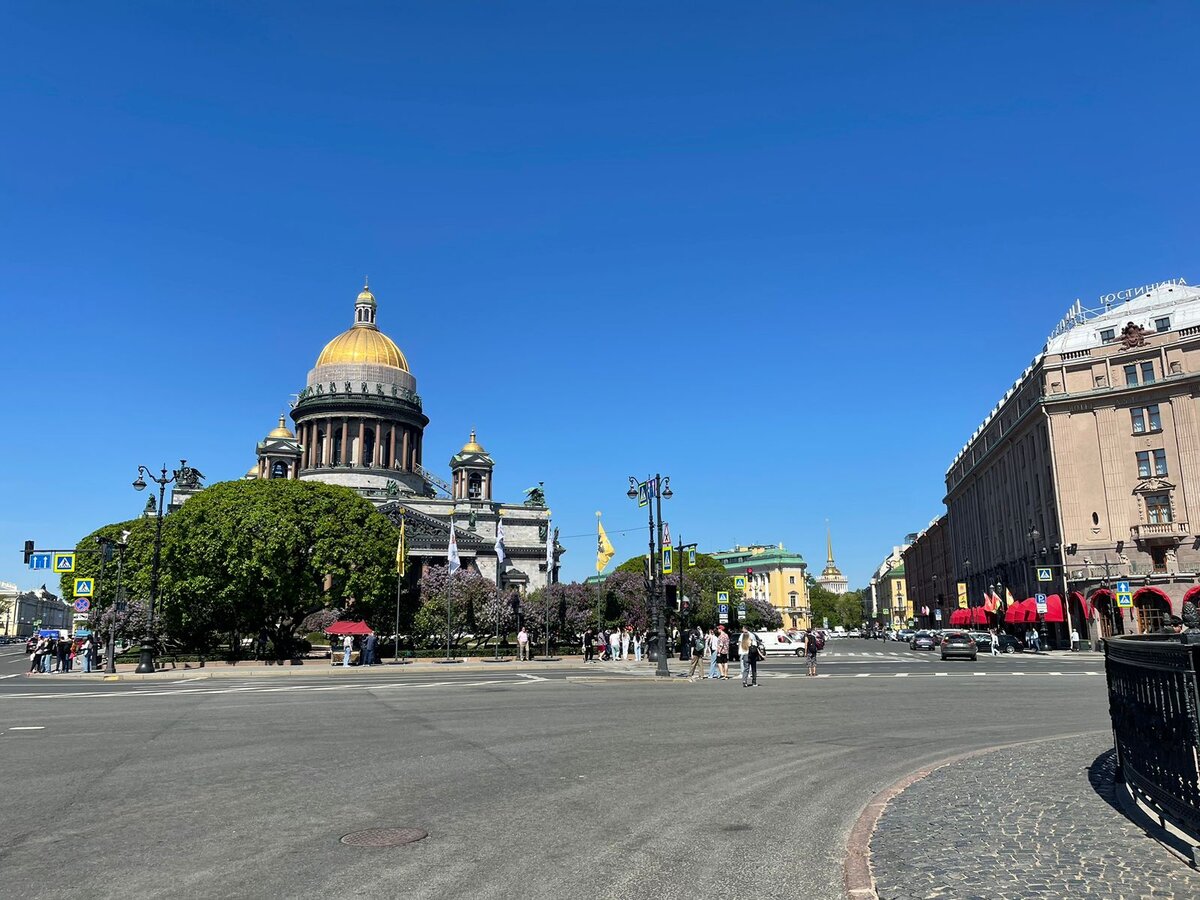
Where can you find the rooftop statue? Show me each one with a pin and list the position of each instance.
(535, 496)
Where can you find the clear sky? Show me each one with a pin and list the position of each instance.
(789, 254)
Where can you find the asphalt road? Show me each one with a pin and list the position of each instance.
(530, 781)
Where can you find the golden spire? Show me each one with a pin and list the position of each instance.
(828, 543)
(281, 431)
(472, 446)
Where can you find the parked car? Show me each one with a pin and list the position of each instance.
(780, 642)
(960, 644)
(922, 640)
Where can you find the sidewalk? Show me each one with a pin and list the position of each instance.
(321, 668)
(1033, 821)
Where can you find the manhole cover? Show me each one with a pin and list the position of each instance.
(384, 837)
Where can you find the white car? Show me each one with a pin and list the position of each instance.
(780, 642)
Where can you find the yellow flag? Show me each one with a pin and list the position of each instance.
(401, 552)
(604, 548)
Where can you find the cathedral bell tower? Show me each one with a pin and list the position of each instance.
(471, 472)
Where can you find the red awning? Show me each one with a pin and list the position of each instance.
(349, 628)
(1015, 613)
(1054, 609)
(979, 616)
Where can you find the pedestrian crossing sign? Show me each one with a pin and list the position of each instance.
(1044, 574)
(739, 582)
(1124, 599)
(668, 559)
(83, 587)
(64, 562)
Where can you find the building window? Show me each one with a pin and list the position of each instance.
(1108, 335)
(1158, 509)
(1146, 419)
(1139, 420)
(1143, 463)
(1160, 462)
(793, 598)
(791, 579)
(1147, 373)
(1154, 418)
(1163, 324)
(1131, 375)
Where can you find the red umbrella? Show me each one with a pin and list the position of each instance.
(349, 628)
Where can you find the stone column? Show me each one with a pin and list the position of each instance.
(391, 458)
(1184, 419)
(407, 462)
(345, 440)
(362, 446)
(327, 444)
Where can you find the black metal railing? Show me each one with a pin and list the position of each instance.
(1154, 702)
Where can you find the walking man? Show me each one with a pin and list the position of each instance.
(995, 642)
(522, 644)
(697, 641)
(347, 647)
(614, 642)
(369, 650)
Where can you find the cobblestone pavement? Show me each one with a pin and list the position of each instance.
(1026, 822)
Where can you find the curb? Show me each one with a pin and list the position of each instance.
(857, 873)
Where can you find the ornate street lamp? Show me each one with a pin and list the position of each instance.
(1035, 538)
(662, 489)
(146, 655)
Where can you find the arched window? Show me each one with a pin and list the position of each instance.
(1152, 611)
(475, 486)
(793, 599)
(279, 470)
(321, 460)
(337, 446)
(368, 456)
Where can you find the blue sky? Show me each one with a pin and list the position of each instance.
(789, 254)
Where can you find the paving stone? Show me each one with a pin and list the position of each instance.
(1022, 824)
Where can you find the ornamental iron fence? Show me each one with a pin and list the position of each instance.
(1154, 703)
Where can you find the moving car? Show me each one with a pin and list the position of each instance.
(922, 640)
(779, 642)
(960, 644)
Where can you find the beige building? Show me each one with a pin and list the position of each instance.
(886, 600)
(775, 575)
(930, 575)
(1089, 469)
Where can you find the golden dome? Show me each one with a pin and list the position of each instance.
(281, 431)
(472, 446)
(366, 297)
(363, 344)
(252, 472)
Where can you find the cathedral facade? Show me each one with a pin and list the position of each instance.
(359, 422)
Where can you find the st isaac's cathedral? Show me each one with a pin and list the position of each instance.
(359, 423)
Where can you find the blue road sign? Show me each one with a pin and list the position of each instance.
(83, 587)
(1044, 574)
(1122, 587)
(723, 608)
(41, 561)
(64, 561)
(1041, 603)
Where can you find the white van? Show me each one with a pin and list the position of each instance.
(780, 642)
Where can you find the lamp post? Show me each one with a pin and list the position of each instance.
(931, 616)
(146, 655)
(1035, 538)
(661, 488)
(110, 650)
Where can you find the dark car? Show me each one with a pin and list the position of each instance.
(959, 644)
(1008, 643)
(922, 640)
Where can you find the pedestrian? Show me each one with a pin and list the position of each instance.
(753, 655)
(1075, 638)
(369, 650)
(347, 648)
(1035, 640)
(995, 641)
(745, 648)
(260, 646)
(697, 644)
(626, 637)
(602, 645)
(63, 657)
(87, 649)
(589, 647)
(614, 643)
(639, 641)
(811, 649)
(35, 658)
(710, 647)
(723, 652)
(522, 645)
(48, 655)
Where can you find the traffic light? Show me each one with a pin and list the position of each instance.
(28, 551)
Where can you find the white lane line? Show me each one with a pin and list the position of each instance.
(980, 674)
(863, 675)
(28, 728)
(941, 674)
(900, 675)
(14, 675)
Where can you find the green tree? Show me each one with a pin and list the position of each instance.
(700, 584)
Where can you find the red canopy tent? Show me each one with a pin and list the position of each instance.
(349, 628)
(1015, 614)
(958, 617)
(978, 616)
(1054, 609)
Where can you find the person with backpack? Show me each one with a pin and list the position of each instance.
(710, 647)
(748, 651)
(812, 646)
(697, 644)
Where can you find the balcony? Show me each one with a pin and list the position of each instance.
(1159, 531)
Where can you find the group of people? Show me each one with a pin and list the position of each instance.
(366, 645)
(52, 654)
(615, 644)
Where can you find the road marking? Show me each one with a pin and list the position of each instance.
(941, 674)
(979, 673)
(28, 728)
(901, 675)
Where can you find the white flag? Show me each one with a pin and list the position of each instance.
(549, 554)
(500, 556)
(452, 550)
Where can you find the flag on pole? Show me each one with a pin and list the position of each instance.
(452, 550)
(604, 548)
(401, 552)
(550, 538)
(500, 555)
(989, 602)
(1008, 597)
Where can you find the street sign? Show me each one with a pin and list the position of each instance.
(1124, 599)
(668, 561)
(739, 582)
(643, 494)
(666, 534)
(723, 597)
(1123, 587)
(741, 609)
(723, 613)
(1041, 603)
(962, 595)
(83, 587)
(1044, 574)
(82, 632)
(41, 561)
(691, 556)
(937, 615)
(82, 604)
(64, 562)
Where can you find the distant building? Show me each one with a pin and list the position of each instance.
(39, 609)
(930, 576)
(831, 577)
(1086, 473)
(775, 575)
(8, 607)
(886, 600)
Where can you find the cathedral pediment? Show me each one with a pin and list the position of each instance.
(423, 531)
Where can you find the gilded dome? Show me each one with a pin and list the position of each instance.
(472, 446)
(363, 342)
(281, 431)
